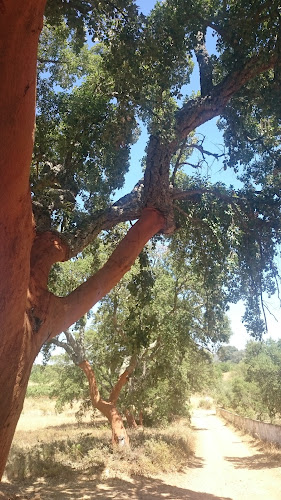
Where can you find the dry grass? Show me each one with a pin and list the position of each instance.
(39, 413)
(204, 402)
(48, 444)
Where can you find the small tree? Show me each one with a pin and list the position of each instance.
(149, 333)
(108, 407)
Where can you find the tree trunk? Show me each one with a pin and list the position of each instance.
(131, 420)
(120, 438)
(20, 26)
(30, 315)
(13, 381)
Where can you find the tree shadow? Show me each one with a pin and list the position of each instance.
(194, 428)
(81, 425)
(195, 462)
(135, 489)
(257, 461)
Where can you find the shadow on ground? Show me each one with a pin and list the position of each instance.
(255, 462)
(136, 489)
(195, 462)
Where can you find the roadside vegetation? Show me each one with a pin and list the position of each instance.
(251, 380)
(82, 446)
(61, 434)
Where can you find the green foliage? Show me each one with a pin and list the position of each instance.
(103, 67)
(41, 382)
(254, 388)
(171, 307)
(70, 384)
(157, 312)
(224, 252)
(230, 353)
(263, 365)
(76, 162)
(66, 276)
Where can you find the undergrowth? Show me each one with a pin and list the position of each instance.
(152, 451)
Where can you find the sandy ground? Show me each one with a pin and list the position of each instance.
(225, 467)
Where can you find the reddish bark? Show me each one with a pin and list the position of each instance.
(131, 420)
(28, 311)
(43, 316)
(108, 408)
(20, 25)
(66, 310)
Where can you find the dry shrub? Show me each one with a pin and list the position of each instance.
(271, 451)
(205, 403)
(152, 451)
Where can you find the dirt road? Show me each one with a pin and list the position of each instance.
(224, 467)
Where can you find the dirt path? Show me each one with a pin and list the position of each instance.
(224, 468)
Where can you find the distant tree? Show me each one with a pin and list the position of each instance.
(263, 367)
(254, 387)
(56, 202)
(230, 353)
(41, 380)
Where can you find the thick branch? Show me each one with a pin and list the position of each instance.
(94, 391)
(198, 111)
(127, 208)
(123, 379)
(178, 162)
(179, 194)
(75, 350)
(205, 65)
(157, 180)
(65, 311)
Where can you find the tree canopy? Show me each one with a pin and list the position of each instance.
(92, 99)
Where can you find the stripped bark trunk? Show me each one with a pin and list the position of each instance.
(32, 315)
(131, 419)
(120, 438)
(20, 25)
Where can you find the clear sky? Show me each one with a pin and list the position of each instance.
(213, 142)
